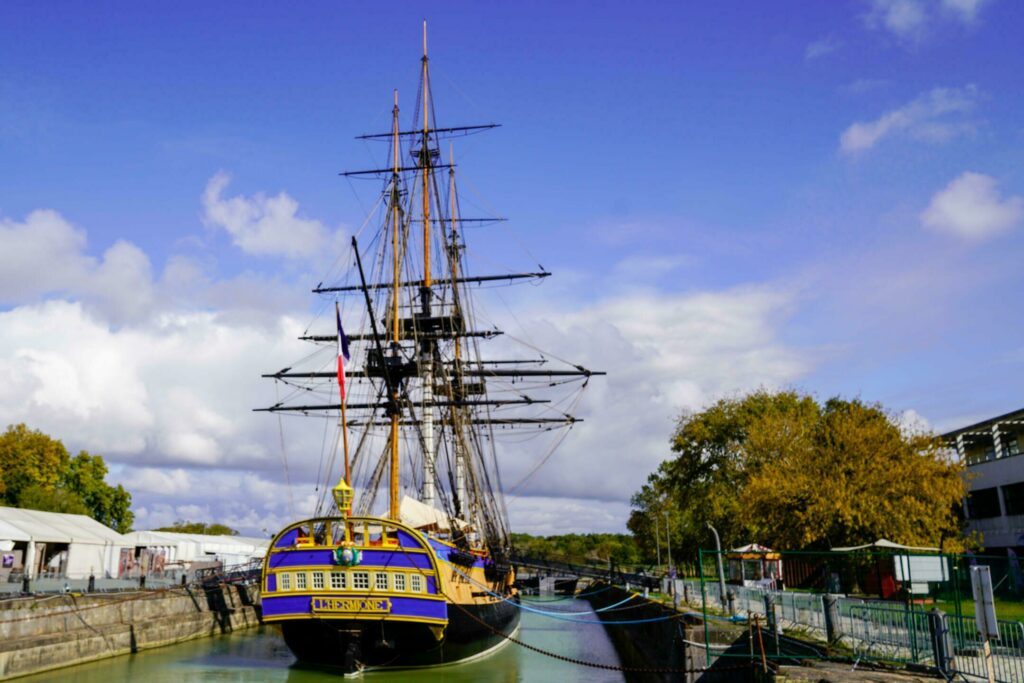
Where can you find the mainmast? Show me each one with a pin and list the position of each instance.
(426, 350)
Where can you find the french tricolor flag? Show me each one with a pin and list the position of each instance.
(342, 352)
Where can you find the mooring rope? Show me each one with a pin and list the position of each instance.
(583, 662)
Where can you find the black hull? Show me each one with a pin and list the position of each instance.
(351, 645)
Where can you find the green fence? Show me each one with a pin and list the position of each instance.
(892, 606)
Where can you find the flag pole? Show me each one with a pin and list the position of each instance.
(343, 393)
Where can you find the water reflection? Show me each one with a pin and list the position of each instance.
(260, 656)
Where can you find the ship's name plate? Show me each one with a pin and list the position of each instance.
(355, 605)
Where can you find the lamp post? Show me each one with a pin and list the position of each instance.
(657, 539)
(718, 554)
(668, 539)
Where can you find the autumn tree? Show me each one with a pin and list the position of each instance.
(782, 470)
(36, 472)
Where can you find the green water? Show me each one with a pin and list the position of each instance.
(260, 655)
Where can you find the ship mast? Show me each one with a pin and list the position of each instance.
(461, 500)
(426, 350)
(396, 203)
(421, 372)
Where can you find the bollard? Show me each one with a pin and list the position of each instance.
(142, 581)
(25, 586)
(183, 580)
(92, 584)
(833, 627)
(942, 642)
(730, 599)
(769, 613)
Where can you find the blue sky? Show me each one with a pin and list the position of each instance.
(819, 195)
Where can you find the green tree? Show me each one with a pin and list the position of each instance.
(185, 527)
(784, 471)
(28, 457)
(111, 505)
(37, 497)
(36, 472)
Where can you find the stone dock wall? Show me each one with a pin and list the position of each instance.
(668, 644)
(50, 632)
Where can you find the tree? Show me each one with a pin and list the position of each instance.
(784, 471)
(36, 472)
(28, 457)
(110, 505)
(185, 527)
(36, 497)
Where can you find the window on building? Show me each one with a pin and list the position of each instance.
(1013, 497)
(1011, 444)
(416, 583)
(300, 581)
(338, 580)
(983, 503)
(399, 582)
(360, 580)
(382, 581)
(285, 581)
(318, 580)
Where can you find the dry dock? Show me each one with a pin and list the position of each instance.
(48, 632)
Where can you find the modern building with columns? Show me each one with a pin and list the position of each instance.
(995, 504)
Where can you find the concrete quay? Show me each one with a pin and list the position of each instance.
(55, 631)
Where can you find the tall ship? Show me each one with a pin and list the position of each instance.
(405, 561)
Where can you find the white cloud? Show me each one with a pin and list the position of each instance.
(906, 19)
(664, 353)
(964, 10)
(970, 207)
(912, 422)
(821, 47)
(911, 20)
(935, 116)
(176, 391)
(261, 225)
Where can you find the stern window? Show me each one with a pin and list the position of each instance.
(399, 582)
(382, 581)
(338, 580)
(318, 580)
(360, 580)
(416, 583)
(285, 580)
(300, 581)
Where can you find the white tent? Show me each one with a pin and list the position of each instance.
(92, 548)
(188, 548)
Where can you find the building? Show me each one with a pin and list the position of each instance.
(54, 544)
(995, 505)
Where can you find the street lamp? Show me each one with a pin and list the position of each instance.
(718, 554)
(657, 539)
(668, 538)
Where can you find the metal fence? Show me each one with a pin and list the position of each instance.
(880, 607)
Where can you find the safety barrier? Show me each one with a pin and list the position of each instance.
(1007, 649)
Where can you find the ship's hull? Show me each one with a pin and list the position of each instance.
(349, 645)
(357, 593)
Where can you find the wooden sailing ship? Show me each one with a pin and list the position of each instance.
(421, 579)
